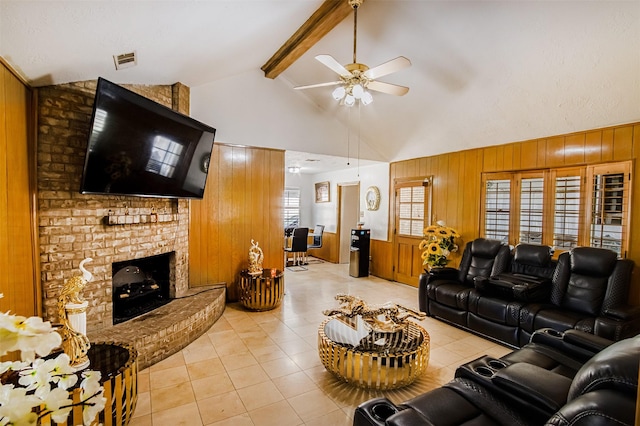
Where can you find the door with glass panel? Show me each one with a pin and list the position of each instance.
(412, 213)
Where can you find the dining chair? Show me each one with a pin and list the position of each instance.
(317, 237)
(298, 249)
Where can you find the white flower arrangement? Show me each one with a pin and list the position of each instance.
(36, 386)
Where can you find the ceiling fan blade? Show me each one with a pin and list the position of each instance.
(388, 67)
(311, 86)
(392, 89)
(329, 62)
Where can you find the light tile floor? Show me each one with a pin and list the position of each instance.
(262, 368)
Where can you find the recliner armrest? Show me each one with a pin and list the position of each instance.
(624, 313)
(586, 340)
(535, 384)
(407, 417)
(573, 343)
(446, 273)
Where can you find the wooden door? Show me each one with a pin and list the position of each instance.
(19, 266)
(411, 212)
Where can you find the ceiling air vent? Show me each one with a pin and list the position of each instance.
(125, 60)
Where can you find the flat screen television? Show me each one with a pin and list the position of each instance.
(139, 147)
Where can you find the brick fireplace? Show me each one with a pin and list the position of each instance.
(73, 226)
(141, 285)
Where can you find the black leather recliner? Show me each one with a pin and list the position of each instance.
(496, 301)
(444, 292)
(589, 292)
(602, 392)
(528, 278)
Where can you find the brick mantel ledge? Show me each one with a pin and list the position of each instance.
(164, 331)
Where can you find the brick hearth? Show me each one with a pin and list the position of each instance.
(168, 329)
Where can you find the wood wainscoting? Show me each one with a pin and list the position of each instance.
(329, 250)
(382, 259)
(242, 202)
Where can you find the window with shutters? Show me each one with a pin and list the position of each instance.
(562, 208)
(411, 210)
(497, 208)
(609, 206)
(568, 207)
(531, 210)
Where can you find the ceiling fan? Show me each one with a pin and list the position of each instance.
(356, 78)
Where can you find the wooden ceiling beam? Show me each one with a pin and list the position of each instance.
(323, 20)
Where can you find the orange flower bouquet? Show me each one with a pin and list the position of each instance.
(438, 244)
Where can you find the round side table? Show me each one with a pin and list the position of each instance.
(261, 292)
(117, 362)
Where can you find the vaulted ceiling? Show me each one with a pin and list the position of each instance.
(483, 72)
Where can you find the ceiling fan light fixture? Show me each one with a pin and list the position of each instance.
(355, 77)
(339, 93)
(367, 98)
(357, 91)
(349, 100)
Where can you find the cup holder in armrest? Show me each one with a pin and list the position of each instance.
(552, 332)
(374, 412)
(383, 411)
(484, 371)
(496, 364)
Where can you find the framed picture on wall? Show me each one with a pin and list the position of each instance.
(322, 192)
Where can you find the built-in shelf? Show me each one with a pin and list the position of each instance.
(135, 219)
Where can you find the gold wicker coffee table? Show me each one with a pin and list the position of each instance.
(369, 359)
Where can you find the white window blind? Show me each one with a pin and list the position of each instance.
(566, 216)
(291, 207)
(531, 210)
(411, 210)
(497, 209)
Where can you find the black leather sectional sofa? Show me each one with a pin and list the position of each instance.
(507, 295)
(570, 378)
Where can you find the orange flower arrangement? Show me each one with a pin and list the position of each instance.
(438, 244)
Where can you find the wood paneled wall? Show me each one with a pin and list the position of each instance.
(457, 175)
(382, 259)
(19, 265)
(329, 250)
(242, 201)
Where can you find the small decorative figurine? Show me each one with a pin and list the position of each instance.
(72, 315)
(255, 259)
(389, 317)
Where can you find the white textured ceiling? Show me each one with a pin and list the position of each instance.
(483, 73)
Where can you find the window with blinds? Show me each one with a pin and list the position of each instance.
(609, 212)
(291, 207)
(411, 204)
(497, 209)
(531, 210)
(566, 215)
(561, 208)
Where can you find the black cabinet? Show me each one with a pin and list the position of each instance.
(359, 253)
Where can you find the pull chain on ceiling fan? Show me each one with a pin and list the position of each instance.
(355, 78)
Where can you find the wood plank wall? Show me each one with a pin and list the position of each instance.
(242, 201)
(19, 262)
(457, 176)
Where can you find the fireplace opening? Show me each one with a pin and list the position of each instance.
(140, 286)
